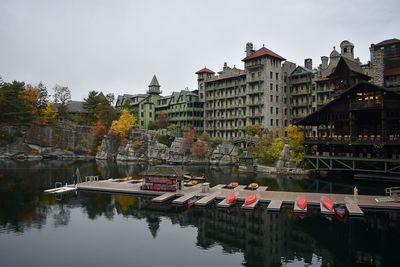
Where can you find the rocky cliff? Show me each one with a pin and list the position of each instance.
(62, 140)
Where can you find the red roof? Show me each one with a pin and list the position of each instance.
(205, 70)
(263, 52)
(392, 72)
(388, 42)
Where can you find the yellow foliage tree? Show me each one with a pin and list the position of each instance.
(124, 124)
(296, 141)
(48, 115)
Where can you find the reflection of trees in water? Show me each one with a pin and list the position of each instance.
(61, 215)
(109, 169)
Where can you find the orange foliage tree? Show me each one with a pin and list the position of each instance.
(200, 149)
(188, 140)
(30, 96)
(98, 131)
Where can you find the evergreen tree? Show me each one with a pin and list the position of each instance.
(43, 96)
(91, 102)
(12, 108)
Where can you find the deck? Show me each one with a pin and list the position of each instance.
(275, 199)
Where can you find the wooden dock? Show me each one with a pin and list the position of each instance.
(275, 205)
(275, 198)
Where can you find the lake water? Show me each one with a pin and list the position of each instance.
(98, 229)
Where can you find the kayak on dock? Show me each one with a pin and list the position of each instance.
(250, 199)
(301, 202)
(231, 198)
(191, 183)
(327, 203)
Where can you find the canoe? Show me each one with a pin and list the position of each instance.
(250, 199)
(232, 185)
(301, 202)
(327, 203)
(252, 186)
(230, 198)
(340, 210)
(197, 178)
(191, 183)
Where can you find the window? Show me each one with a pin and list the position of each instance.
(285, 111)
(142, 114)
(277, 111)
(270, 74)
(271, 98)
(272, 110)
(277, 76)
(277, 88)
(277, 99)
(277, 122)
(272, 122)
(151, 114)
(271, 86)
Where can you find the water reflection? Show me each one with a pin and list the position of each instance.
(264, 239)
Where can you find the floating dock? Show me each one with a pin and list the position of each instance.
(62, 189)
(275, 199)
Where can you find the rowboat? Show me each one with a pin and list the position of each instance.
(340, 210)
(252, 186)
(250, 199)
(327, 203)
(191, 183)
(301, 202)
(230, 198)
(232, 185)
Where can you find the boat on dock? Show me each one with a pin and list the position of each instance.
(252, 186)
(327, 203)
(195, 178)
(191, 183)
(301, 202)
(232, 185)
(250, 199)
(231, 198)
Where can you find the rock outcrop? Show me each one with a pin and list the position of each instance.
(224, 154)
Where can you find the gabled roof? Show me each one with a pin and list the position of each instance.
(204, 70)
(299, 70)
(154, 82)
(352, 65)
(263, 52)
(388, 42)
(164, 171)
(340, 96)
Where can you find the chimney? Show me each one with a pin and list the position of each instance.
(225, 65)
(308, 63)
(249, 48)
(324, 61)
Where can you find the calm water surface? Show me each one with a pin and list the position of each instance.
(92, 229)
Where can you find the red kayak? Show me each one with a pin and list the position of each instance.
(230, 198)
(250, 199)
(301, 202)
(327, 203)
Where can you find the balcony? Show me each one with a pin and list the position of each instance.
(255, 79)
(257, 90)
(301, 92)
(254, 66)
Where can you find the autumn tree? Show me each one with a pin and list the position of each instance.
(98, 131)
(123, 126)
(200, 149)
(188, 140)
(62, 94)
(48, 114)
(295, 139)
(29, 97)
(253, 130)
(172, 128)
(162, 121)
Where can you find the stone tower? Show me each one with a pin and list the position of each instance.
(249, 49)
(347, 49)
(154, 86)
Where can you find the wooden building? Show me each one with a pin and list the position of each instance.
(362, 121)
(162, 178)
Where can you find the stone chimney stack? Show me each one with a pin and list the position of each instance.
(249, 48)
(308, 63)
(324, 62)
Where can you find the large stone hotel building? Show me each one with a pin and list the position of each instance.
(235, 98)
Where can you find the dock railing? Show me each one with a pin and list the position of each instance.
(91, 178)
(393, 192)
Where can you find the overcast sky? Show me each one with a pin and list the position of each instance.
(117, 46)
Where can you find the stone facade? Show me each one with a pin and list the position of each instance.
(237, 97)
